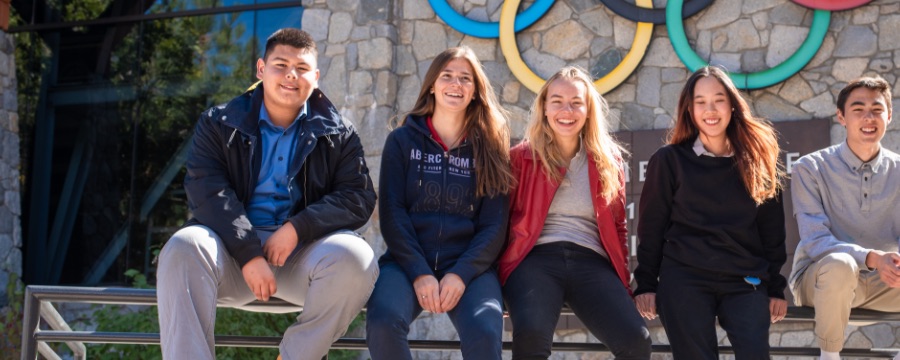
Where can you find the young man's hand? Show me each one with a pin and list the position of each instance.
(281, 244)
(259, 278)
(887, 264)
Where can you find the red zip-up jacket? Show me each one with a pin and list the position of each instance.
(530, 202)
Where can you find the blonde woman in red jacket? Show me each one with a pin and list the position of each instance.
(567, 225)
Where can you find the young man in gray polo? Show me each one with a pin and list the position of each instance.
(845, 201)
(276, 182)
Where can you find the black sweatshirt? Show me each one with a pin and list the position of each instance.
(695, 210)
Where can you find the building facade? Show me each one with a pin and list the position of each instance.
(133, 114)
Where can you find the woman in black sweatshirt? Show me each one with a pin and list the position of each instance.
(711, 225)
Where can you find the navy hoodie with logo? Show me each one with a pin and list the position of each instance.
(431, 220)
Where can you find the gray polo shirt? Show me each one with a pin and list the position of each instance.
(844, 205)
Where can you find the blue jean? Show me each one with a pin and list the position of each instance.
(689, 300)
(478, 317)
(563, 272)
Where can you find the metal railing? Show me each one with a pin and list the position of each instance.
(38, 306)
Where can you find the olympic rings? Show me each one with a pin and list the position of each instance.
(833, 5)
(656, 16)
(761, 79)
(488, 29)
(534, 82)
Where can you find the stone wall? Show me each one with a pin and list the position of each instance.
(374, 54)
(10, 209)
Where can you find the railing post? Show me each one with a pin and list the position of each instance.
(31, 318)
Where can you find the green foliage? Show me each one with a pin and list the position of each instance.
(228, 322)
(11, 332)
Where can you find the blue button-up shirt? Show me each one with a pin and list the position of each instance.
(271, 202)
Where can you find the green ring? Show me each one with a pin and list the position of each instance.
(759, 79)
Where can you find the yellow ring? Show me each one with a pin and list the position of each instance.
(534, 82)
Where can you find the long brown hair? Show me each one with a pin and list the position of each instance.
(595, 137)
(753, 140)
(485, 123)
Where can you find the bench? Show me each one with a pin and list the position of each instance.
(39, 299)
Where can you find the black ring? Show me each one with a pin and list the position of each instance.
(656, 16)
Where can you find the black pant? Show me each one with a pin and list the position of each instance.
(689, 300)
(557, 273)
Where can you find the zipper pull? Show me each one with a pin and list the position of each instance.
(436, 260)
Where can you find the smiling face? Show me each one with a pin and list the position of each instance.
(711, 110)
(288, 76)
(866, 116)
(454, 87)
(565, 109)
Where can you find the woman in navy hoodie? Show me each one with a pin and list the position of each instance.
(444, 209)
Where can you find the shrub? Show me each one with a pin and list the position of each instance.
(11, 332)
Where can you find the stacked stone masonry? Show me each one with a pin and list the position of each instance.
(10, 209)
(375, 53)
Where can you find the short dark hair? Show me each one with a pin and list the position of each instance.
(291, 37)
(876, 83)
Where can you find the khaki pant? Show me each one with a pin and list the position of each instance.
(834, 285)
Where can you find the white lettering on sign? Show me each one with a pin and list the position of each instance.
(642, 167)
(790, 159)
(633, 246)
(627, 172)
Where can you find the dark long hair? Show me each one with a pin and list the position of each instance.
(753, 140)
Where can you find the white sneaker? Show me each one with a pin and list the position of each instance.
(829, 355)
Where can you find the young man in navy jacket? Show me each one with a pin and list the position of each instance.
(276, 182)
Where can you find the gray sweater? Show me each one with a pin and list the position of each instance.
(844, 205)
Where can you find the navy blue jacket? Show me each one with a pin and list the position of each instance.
(330, 185)
(431, 220)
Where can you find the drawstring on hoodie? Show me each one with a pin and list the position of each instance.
(231, 138)
(420, 163)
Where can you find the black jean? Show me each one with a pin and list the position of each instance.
(689, 300)
(563, 272)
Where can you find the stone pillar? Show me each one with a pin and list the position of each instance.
(357, 43)
(10, 209)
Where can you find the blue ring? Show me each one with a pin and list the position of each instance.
(488, 30)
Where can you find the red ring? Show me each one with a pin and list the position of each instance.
(832, 5)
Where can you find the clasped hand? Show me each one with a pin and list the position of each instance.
(257, 273)
(439, 297)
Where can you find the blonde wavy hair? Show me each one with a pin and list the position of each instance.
(595, 138)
